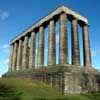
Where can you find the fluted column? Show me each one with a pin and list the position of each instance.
(63, 48)
(52, 46)
(19, 56)
(41, 47)
(15, 56)
(32, 50)
(11, 58)
(75, 43)
(25, 54)
(86, 46)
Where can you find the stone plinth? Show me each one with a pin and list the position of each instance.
(66, 79)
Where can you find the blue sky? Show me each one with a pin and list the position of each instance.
(17, 15)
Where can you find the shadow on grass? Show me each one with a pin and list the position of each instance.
(9, 93)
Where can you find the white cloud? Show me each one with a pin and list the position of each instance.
(5, 46)
(3, 14)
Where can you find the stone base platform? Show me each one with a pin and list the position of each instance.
(67, 79)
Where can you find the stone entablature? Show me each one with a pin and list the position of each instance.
(56, 12)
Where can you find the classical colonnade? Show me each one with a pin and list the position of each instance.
(22, 56)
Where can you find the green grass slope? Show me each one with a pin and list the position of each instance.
(26, 89)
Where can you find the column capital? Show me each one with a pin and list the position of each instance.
(63, 16)
(82, 24)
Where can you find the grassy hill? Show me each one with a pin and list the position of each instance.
(26, 89)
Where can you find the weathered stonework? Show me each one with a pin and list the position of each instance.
(52, 46)
(14, 57)
(32, 51)
(11, 58)
(25, 54)
(75, 43)
(51, 15)
(87, 55)
(63, 14)
(41, 47)
(19, 57)
(66, 78)
(63, 40)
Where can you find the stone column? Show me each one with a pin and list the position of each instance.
(86, 46)
(32, 50)
(52, 45)
(25, 54)
(41, 47)
(11, 58)
(75, 43)
(15, 56)
(19, 56)
(63, 48)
